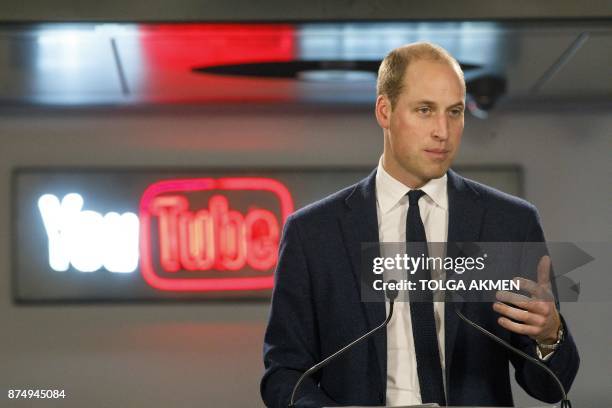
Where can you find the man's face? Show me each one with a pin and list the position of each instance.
(424, 128)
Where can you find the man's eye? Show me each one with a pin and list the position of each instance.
(424, 110)
(456, 112)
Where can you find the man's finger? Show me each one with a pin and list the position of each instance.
(523, 302)
(518, 327)
(527, 285)
(536, 290)
(544, 271)
(514, 298)
(520, 315)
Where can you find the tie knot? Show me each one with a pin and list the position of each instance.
(414, 196)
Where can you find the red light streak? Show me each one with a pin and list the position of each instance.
(171, 51)
(173, 46)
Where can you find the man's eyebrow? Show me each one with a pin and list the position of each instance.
(456, 105)
(432, 103)
(425, 102)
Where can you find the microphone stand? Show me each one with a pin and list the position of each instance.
(565, 403)
(391, 295)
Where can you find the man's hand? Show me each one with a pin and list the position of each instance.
(535, 316)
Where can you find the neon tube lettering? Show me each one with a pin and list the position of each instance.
(215, 238)
(86, 239)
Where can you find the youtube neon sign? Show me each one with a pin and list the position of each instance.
(88, 240)
(216, 237)
(180, 243)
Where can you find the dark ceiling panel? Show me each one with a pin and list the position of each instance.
(296, 10)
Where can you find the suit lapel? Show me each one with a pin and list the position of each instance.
(361, 226)
(465, 216)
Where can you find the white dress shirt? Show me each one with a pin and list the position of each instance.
(392, 209)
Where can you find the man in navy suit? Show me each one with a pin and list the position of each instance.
(426, 354)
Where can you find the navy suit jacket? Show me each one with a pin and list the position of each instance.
(316, 307)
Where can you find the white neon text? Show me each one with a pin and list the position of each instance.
(86, 239)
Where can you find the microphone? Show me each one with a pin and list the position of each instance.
(565, 403)
(391, 295)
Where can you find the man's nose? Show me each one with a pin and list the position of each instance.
(440, 130)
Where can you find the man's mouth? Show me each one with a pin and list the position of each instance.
(437, 153)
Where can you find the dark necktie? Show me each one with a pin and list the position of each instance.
(422, 312)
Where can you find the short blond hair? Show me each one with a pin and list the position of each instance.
(393, 67)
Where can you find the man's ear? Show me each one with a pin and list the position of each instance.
(383, 111)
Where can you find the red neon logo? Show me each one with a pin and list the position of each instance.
(215, 238)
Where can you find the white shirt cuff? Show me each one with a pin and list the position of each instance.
(539, 353)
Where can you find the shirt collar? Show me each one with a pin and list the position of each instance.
(389, 191)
